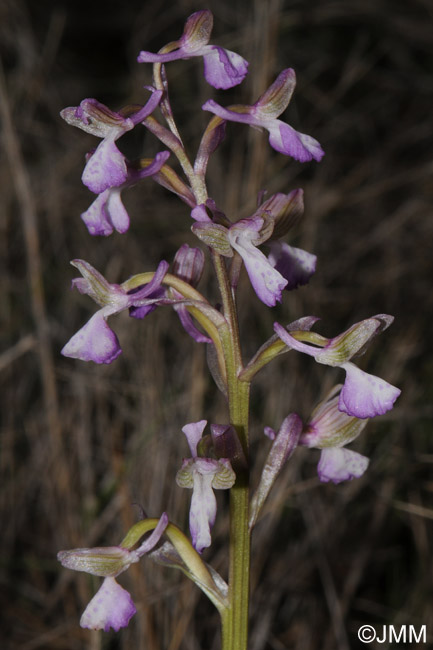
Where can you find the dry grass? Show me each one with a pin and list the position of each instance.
(80, 444)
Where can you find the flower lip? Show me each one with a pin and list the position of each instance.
(203, 475)
(267, 282)
(339, 465)
(110, 607)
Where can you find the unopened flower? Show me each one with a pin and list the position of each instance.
(188, 265)
(203, 475)
(363, 395)
(264, 114)
(111, 606)
(330, 430)
(222, 68)
(96, 341)
(106, 166)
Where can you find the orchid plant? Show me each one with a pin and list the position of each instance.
(221, 459)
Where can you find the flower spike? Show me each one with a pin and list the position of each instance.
(222, 68)
(264, 113)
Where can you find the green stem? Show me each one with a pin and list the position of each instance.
(235, 619)
(235, 634)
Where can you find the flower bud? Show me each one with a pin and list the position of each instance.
(188, 264)
(226, 444)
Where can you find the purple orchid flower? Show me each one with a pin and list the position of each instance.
(106, 167)
(264, 113)
(222, 68)
(286, 267)
(107, 212)
(96, 341)
(111, 606)
(363, 395)
(330, 430)
(267, 281)
(203, 475)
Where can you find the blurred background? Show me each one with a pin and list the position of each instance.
(85, 447)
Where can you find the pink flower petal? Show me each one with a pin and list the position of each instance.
(106, 213)
(339, 464)
(267, 282)
(193, 432)
(223, 68)
(111, 606)
(286, 140)
(364, 395)
(106, 167)
(95, 341)
(203, 505)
